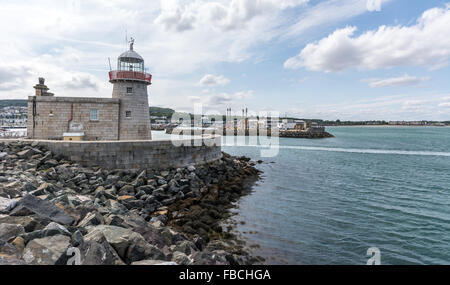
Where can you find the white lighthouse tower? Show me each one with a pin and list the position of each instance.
(130, 83)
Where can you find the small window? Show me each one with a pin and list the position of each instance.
(94, 115)
(128, 114)
(129, 90)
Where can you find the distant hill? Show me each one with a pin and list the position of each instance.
(161, 112)
(13, 103)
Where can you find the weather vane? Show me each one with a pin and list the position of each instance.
(131, 43)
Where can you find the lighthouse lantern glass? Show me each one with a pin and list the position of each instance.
(130, 66)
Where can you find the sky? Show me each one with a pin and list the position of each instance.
(329, 59)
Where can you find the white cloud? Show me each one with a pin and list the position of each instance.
(225, 98)
(224, 15)
(220, 101)
(212, 80)
(404, 80)
(426, 43)
(81, 81)
(373, 5)
(174, 17)
(327, 13)
(447, 104)
(12, 77)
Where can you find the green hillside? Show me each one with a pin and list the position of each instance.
(161, 112)
(13, 103)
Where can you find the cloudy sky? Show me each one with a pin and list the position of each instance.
(329, 59)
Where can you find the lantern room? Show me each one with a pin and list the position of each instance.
(130, 66)
(130, 60)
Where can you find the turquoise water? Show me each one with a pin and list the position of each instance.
(327, 201)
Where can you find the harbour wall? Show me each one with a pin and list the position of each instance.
(157, 154)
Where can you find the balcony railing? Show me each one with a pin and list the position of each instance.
(132, 75)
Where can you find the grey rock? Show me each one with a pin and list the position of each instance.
(119, 238)
(140, 179)
(77, 238)
(9, 231)
(8, 253)
(27, 187)
(28, 222)
(115, 220)
(169, 201)
(127, 189)
(111, 179)
(141, 249)
(186, 247)
(44, 209)
(6, 204)
(180, 195)
(99, 252)
(56, 227)
(147, 189)
(92, 219)
(47, 187)
(52, 229)
(50, 163)
(181, 258)
(77, 179)
(162, 181)
(25, 153)
(12, 189)
(47, 251)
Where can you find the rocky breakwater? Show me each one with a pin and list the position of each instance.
(305, 134)
(53, 211)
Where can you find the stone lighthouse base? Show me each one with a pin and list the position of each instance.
(155, 154)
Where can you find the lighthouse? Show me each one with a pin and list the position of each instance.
(130, 82)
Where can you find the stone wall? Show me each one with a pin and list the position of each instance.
(135, 126)
(52, 116)
(138, 154)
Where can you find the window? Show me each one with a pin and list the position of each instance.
(94, 115)
(129, 90)
(128, 114)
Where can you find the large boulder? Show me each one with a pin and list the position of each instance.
(25, 153)
(120, 238)
(141, 250)
(181, 258)
(99, 252)
(9, 254)
(9, 231)
(186, 247)
(92, 219)
(6, 204)
(47, 251)
(51, 229)
(130, 245)
(44, 209)
(30, 223)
